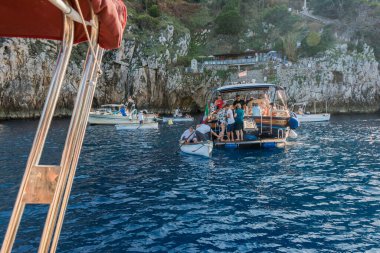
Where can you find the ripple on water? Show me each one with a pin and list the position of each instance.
(134, 192)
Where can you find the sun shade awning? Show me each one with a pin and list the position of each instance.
(42, 20)
(247, 87)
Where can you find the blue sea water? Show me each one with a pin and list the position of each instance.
(134, 192)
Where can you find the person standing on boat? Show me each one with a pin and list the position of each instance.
(222, 121)
(256, 110)
(141, 117)
(189, 135)
(239, 122)
(122, 110)
(240, 101)
(130, 104)
(203, 132)
(219, 103)
(230, 123)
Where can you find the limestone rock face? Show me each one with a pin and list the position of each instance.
(347, 81)
(147, 69)
(144, 70)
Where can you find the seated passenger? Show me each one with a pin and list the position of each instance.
(249, 106)
(203, 132)
(177, 113)
(189, 135)
(256, 110)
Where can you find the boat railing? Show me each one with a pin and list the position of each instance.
(54, 182)
(280, 134)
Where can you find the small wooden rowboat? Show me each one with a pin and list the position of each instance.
(135, 126)
(201, 148)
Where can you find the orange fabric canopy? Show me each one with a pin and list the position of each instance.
(40, 19)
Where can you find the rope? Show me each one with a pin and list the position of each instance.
(87, 34)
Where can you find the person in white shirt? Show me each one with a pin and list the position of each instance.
(177, 113)
(141, 117)
(203, 132)
(256, 110)
(189, 135)
(230, 124)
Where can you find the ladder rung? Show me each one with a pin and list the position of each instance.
(41, 184)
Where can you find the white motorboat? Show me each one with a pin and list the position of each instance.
(300, 108)
(136, 126)
(313, 117)
(178, 119)
(110, 115)
(200, 148)
(178, 116)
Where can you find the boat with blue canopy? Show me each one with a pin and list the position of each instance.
(269, 129)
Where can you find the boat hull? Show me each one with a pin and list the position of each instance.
(261, 143)
(98, 119)
(201, 149)
(136, 126)
(313, 117)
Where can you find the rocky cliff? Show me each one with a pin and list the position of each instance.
(349, 81)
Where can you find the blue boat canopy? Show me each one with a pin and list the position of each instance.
(247, 87)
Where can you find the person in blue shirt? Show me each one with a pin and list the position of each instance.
(239, 122)
(122, 111)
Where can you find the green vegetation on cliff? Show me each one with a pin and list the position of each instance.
(232, 26)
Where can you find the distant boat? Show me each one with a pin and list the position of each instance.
(178, 119)
(299, 110)
(313, 117)
(201, 148)
(136, 126)
(110, 114)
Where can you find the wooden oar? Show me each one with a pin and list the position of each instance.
(199, 147)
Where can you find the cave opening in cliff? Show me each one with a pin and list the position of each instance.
(337, 77)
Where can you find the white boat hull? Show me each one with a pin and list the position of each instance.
(313, 117)
(202, 149)
(177, 119)
(99, 119)
(136, 126)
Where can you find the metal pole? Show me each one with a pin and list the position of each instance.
(42, 131)
(69, 157)
(90, 83)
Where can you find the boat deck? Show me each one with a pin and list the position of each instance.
(267, 143)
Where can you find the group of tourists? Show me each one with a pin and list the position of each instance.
(230, 119)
